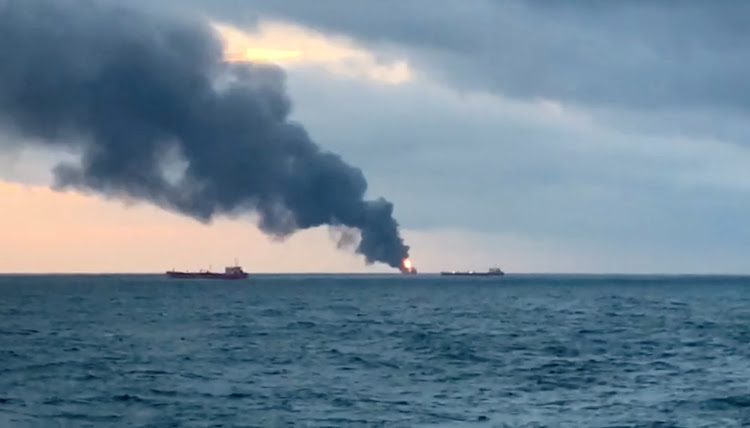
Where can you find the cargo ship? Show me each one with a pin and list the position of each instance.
(491, 272)
(230, 272)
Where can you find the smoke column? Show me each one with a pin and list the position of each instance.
(140, 95)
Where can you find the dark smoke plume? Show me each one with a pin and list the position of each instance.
(141, 94)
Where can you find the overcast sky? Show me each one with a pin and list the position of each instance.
(571, 136)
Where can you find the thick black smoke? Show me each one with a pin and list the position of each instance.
(136, 93)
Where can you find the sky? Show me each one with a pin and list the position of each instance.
(534, 136)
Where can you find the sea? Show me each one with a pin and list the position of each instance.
(375, 351)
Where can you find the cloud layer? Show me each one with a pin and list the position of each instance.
(637, 54)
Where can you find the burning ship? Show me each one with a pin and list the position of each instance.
(407, 268)
(230, 272)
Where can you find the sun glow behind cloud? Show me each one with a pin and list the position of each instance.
(290, 45)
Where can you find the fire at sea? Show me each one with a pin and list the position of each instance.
(407, 268)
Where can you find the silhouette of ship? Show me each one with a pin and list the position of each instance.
(230, 272)
(491, 272)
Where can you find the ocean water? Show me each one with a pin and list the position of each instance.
(391, 351)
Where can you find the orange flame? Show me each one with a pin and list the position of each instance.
(407, 267)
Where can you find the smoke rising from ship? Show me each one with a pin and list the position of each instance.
(158, 115)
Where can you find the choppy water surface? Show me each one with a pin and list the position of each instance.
(375, 351)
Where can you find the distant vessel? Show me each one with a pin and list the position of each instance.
(491, 272)
(411, 271)
(230, 272)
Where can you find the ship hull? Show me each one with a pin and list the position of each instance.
(206, 275)
(471, 274)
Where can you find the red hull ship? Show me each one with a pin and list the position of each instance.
(231, 272)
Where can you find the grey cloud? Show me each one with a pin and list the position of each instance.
(656, 54)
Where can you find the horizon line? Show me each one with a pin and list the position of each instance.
(542, 273)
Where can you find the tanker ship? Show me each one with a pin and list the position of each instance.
(491, 272)
(230, 272)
